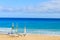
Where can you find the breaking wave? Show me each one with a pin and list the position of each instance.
(33, 31)
(44, 31)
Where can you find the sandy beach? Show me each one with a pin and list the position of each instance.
(30, 37)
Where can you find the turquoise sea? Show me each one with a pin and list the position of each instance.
(33, 25)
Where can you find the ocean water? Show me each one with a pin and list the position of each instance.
(33, 25)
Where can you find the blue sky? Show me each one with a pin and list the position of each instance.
(30, 8)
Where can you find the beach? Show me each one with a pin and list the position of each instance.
(29, 37)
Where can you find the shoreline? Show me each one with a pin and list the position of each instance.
(30, 34)
(29, 37)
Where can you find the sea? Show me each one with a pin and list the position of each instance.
(33, 25)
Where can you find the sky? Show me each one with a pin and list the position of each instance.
(30, 8)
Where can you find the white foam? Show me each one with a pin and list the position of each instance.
(45, 32)
(33, 31)
(5, 30)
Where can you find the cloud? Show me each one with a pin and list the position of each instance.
(51, 6)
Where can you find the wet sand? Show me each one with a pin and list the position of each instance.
(29, 37)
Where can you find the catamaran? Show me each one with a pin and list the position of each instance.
(16, 31)
(13, 32)
(24, 33)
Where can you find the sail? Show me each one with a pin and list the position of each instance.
(24, 29)
(12, 26)
(17, 28)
